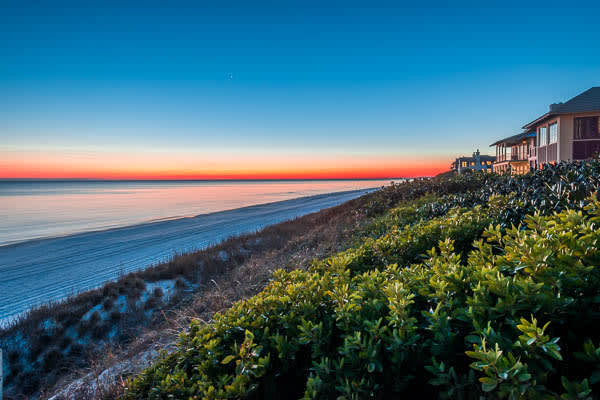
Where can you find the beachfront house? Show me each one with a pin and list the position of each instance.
(477, 162)
(570, 130)
(516, 154)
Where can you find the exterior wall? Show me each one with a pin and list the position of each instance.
(564, 148)
(548, 153)
(567, 134)
(566, 128)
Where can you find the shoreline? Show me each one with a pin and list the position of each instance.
(66, 265)
(173, 218)
(36, 212)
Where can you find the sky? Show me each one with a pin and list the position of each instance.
(282, 89)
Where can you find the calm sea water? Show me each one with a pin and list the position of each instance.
(31, 210)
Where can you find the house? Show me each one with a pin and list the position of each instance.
(568, 131)
(516, 154)
(477, 162)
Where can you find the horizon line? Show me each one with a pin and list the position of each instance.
(196, 180)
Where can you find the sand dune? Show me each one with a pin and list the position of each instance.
(40, 271)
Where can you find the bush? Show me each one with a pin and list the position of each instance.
(51, 360)
(151, 303)
(67, 318)
(108, 304)
(95, 318)
(122, 288)
(35, 349)
(140, 284)
(115, 316)
(83, 328)
(29, 383)
(13, 357)
(77, 350)
(100, 330)
(180, 284)
(15, 369)
(110, 290)
(494, 308)
(65, 342)
(44, 339)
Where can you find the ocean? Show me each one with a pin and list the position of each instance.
(41, 209)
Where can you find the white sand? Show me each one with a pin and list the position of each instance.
(39, 271)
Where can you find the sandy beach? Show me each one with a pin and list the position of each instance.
(40, 271)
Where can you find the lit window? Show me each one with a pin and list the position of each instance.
(543, 138)
(464, 164)
(553, 137)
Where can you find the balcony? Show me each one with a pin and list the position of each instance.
(518, 157)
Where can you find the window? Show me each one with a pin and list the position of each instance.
(464, 164)
(586, 150)
(586, 128)
(553, 137)
(489, 163)
(543, 139)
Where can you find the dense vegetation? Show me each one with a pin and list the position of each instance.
(462, 287)
(58, 342)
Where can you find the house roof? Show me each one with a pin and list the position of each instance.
(586, 101)
(515, 138)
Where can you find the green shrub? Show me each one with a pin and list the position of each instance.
(108, 304)
(474, 286)
(100, 330)
(76, 351)
(29, 382)
(513, 317)
(115, 316)
(65, 342)
(51, 360)
(13, 356)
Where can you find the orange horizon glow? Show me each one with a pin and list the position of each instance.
(213, 167)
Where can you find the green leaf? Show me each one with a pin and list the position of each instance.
(228, 359)
(524, 377)
(488, 384)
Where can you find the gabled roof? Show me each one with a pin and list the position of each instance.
(586, 101)
(515, 138)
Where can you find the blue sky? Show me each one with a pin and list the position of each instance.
(369, 79)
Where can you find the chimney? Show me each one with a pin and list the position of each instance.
(555, 107)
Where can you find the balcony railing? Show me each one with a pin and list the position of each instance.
(518, 157)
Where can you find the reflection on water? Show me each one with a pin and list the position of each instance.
(31, 210)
